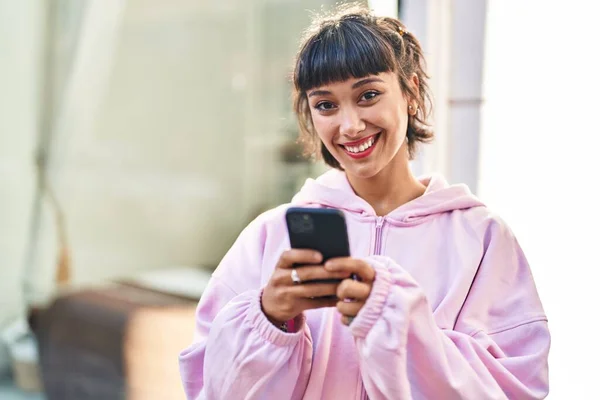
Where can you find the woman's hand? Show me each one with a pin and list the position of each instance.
(352, 293)
(283, 299)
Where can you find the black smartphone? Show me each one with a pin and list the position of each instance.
(320, 229)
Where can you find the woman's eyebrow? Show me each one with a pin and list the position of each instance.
(366, 81)
(358, 84)
(319, 93)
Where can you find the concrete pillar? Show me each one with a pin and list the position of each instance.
(452, 35)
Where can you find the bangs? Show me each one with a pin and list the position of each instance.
(347, 49)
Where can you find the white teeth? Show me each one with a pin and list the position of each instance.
(359, 149)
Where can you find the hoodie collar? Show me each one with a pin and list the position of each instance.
(332, 189)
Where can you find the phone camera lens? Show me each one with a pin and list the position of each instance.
(302, 223)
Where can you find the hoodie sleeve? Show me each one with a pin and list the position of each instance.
(498, 348)
(236, 352)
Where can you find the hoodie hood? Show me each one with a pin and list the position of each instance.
(332, 189)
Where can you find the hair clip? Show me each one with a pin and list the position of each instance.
(401, 31)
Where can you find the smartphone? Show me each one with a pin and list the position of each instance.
(320, 229)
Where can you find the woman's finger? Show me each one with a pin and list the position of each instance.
(308, 274)
(318, 302)
(290, 258)
(356, 266)
(351, 289)
(313, 290)
(348, 308)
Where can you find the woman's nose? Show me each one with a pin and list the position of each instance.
(352, 123)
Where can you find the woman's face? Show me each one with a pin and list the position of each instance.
(362, 122)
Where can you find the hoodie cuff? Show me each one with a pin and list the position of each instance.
(259, 322)
(371, 311)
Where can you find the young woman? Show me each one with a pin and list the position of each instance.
(445, 307)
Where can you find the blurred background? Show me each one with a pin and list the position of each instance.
(138, 138)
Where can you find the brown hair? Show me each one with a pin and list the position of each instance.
(352, 42)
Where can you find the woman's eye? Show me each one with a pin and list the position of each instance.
(325, 106)
(370, 95)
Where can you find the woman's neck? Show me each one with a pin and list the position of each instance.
(392, 187)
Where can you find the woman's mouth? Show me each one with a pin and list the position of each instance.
(361, 148)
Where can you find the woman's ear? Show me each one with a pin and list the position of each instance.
(413, 107)
(415, 81)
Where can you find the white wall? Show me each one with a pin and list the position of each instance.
(149, 137)
(540, 162)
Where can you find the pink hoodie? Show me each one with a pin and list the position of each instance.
(453, 313)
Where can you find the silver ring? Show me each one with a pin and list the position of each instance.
(295, 278)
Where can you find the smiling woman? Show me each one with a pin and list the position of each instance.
(436, 301)
(358, 118)
(369, 50)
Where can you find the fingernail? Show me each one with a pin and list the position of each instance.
(330, 266)
(317, 257)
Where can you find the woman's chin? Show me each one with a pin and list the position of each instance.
(365, 171)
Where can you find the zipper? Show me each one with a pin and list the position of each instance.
(378, 232)
(376, 252)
